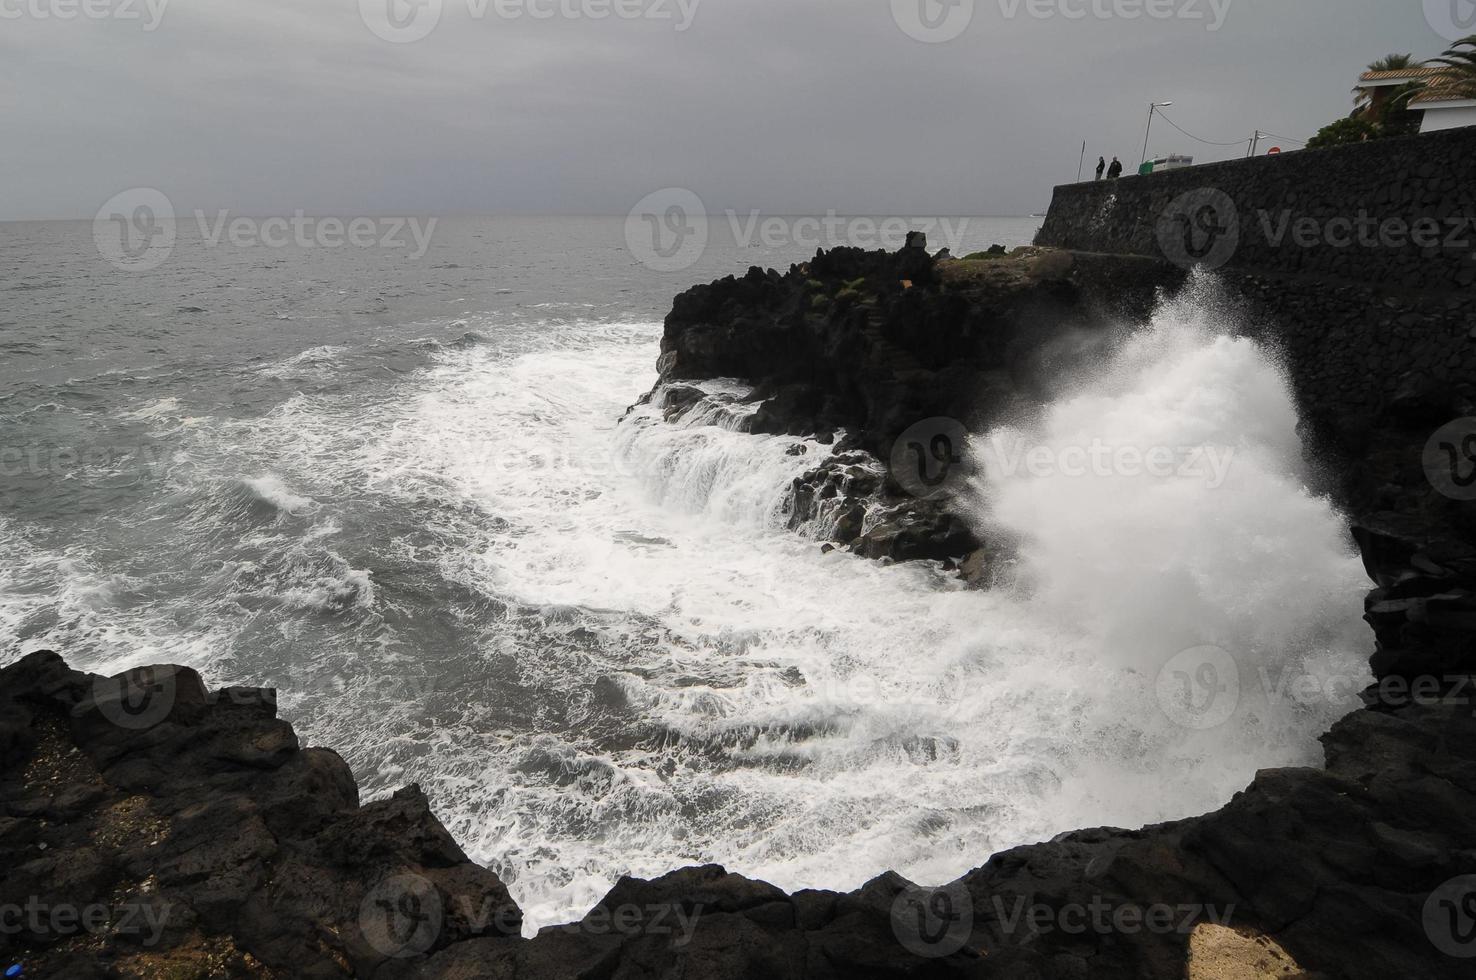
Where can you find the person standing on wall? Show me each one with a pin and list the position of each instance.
(1114, 171)
(1101, 166)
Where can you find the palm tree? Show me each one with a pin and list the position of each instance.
(1459, 77)
(1389, 62)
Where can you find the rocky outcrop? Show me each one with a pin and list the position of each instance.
(152, 828)
(884, 356)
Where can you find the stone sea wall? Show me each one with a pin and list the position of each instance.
(1400, 213)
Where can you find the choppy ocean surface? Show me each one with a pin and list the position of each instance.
(400, 492)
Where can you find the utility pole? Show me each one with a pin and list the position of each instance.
(1152, 108)
(1083, 161)
(1255, 144)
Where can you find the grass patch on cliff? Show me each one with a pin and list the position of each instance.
(1021, 268)
(992, 254)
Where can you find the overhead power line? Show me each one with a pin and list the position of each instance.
(1181, 129)
(1289, 139)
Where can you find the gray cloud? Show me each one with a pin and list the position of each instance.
(801, 106)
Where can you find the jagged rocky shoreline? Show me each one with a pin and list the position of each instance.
(153, 828)
(210, 844)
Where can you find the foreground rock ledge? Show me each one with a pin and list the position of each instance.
(152, 828)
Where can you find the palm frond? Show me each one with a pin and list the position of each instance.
(1459, 76)
(1394, 62)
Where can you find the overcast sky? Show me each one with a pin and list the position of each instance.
(789, 106)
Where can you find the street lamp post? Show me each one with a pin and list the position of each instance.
(1152, 108)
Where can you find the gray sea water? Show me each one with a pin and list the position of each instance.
(397, 490)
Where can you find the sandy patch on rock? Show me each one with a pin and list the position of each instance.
(1219, 953)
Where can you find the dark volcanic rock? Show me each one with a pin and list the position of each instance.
(198, 833)
(875, 342)
(863, 347)
(199, 840)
